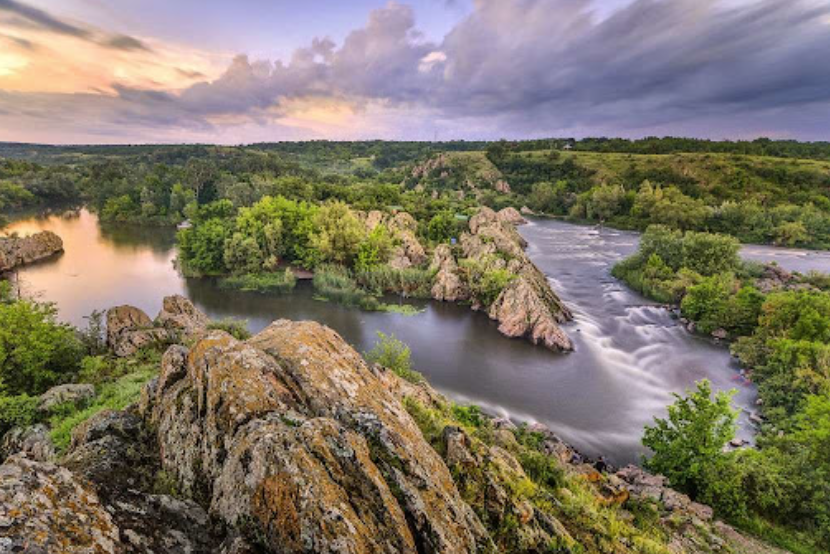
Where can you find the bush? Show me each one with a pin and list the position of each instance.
(17, 411)
(692, 437)
(394, 355)
(36, 351)
(710, 254)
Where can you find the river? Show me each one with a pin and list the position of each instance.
(630, 354)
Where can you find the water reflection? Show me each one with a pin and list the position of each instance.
(631, 355)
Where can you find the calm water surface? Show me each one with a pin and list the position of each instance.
(630, 357)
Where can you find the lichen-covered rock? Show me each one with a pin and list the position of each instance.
(129, 329)
(115, 453)
(180, 315)
(527, 307)
(17, 251)
(293, 434)
(75, 393)
(404, 227)
(46, 508)
(33, 442)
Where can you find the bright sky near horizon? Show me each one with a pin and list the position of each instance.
(116, 71)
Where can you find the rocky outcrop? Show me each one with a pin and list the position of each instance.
(511, 216)
(180, 315)
(526, 306)
(646, 486)
(408, 252)
(293, 435)
(448, 286)
(116, 455)
(77, 394)
(18, 251)
(129, 329)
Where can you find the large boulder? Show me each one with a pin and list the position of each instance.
(527, 307)
(46, 508)
(129, 329)
(17, 251)
(294, 435)
(76, 394)
(180, 315)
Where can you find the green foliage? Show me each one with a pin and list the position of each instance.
(202, 247)
(443, 226)
(280, 282)
(36, 351)
(714, 304)
(374, 250)
(335, 283)
(485, 283)
(411, 282)
(242, 255)
(17, 411)
(394, 355)
(337, 233)
(694, 435)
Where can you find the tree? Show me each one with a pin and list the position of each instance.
(337, 233)
(692, 437)
(36, 351)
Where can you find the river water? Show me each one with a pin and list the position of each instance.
(630, 354)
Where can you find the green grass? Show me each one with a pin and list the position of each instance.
(115, 395)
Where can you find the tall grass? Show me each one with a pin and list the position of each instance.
(267, 283)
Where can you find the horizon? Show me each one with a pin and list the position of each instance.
(80, 72)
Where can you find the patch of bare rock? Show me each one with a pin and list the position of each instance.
(19, 251)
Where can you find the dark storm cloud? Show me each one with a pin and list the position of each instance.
(517, 67)
(42, 19)
(124, 42)
(23, 15)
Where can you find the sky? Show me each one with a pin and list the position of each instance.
(161, 71)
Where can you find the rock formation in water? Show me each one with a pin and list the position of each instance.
(526, 306)
(18, 251)
(290, 442)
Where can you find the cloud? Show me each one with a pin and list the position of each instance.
(518, 68)
(27, 16)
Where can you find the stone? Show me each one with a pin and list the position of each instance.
(293, 433)
(511, 216)
(46, 508)
(129, 329)
(178, 314)
(33, 442)
(77, 394)
(18, 251)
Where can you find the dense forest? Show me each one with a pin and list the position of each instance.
(763, 191)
